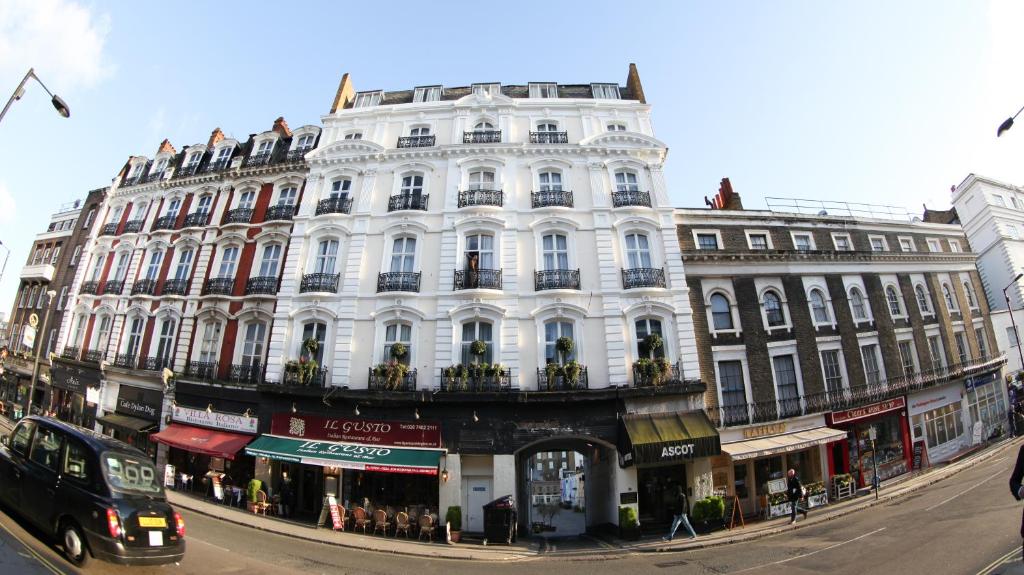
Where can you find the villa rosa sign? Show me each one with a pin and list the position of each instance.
(364, 431)
(215, 419)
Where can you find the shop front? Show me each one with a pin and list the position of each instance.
(12, 394)
(987, 406)
(889, 452)
(135, 416)
(74, 393)
(937, 423)
(755, 459)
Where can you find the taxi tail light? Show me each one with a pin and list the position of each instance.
(179, 524)
(113, 523)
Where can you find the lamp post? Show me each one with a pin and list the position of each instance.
(1009, 310)
(59, 104)
(39, 348)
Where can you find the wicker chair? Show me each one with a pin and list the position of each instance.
(402, 524)
(427, 527)
(360, 520)
(380, 522)
(261, 505)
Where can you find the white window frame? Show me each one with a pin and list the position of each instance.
(875, 237)
(782, 348)
(934, 246)
(616, 127)
(707, 232)
(954, 246)
(863, 342)
(733, 353)
(951, 303)
(829, 310)
(601, 91)
(900, 303)
(928, 299)
(734, 313)
(767, 236)
(867, 305)
(489, 89)
(543, 89)
(368, 99)
(787, 318)
(903, 247)
(809, 235)
(423, 94)
(833, 343)
(835, 242)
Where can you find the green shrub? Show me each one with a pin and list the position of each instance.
(253, 488)
(709, 509)
(454, 516)
(627, 518)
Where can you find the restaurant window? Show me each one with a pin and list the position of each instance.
(477, 331)
(721, 312)
(872, 372)
(398, 332)
(317, 330)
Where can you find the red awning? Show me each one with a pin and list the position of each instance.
(206, 441)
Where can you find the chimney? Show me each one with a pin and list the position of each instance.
(281, 127)
(344, 95)
(725, 199)
(165, 146)
(634, 85)
(215, 136)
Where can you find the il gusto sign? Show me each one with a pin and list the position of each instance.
(365, 431)
(215, 419)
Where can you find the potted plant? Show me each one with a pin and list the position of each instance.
(708, 512)
(552, 370)
(478, 348)
(564, 345)
(454, 519)
(250, 492)
(653, 343)
(572, 373)
(398, 351)
(629, 526)
(310, 345)
(664, 370)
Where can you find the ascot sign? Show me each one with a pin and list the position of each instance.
(215, 419)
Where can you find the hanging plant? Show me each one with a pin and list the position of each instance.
(310, 345)
(398, 350)
(307, 371)
(463, 375)
(478, 348)
(565, 345)
(653, 342)
(572, 373)
(664, 370)
(395, 374)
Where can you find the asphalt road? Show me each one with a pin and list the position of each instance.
(965, 524)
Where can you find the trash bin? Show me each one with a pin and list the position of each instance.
(500, 523)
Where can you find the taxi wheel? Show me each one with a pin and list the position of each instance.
(74, 544)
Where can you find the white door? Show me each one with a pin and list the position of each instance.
(479, 495)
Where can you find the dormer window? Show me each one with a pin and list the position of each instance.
(194, 159)
(488, 90)
(616, 127)
(368, 99)
(265, 147)
(354, 136)
(305, 142)
(136, 170)
(421, 131)
(427, 94)
(160, 166)
(224, 154)
(483, 127)
(543, 90)
(605, 91)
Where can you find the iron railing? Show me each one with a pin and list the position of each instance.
(319, 282)
(187, 170)
(144, 287)
(126, 360)
(218, 286)
(202, 370)
(551, 198)
(154, 176)
(94, 356)
(197, 219)
(338, 205)
(114, 287)
(175, 287)
(258, 160)
(559, 381)
(154, 362)
(280, 212)
(71, 352)
(133, 181)
(631, 198)
(398, 281)
(238, 216)
(89, 288)
(108, 229)
(649, 375)
(261, 285)
(246, 373)
(472, 378)
(380, 380)
(482, 137)
(643, 277)
(556, 279)
(217, 165)
(416, 141)
(133, 226)
(165, 223)
(477, 279)
(407, 202)
(297, 155)
(549, 137)
(471, 198)
(293, 376)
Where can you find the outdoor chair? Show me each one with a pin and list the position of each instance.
(402, 524)
(359, 519)
(427, 528)
(380, 522)
(261, 504)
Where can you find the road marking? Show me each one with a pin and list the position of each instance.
(210, 544)
(43, 560)
(971, 488)
(1009, 556)
(801, 556)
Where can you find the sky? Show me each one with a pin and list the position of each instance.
(862, 101)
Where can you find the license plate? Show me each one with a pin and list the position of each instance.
(156, 538)
(153, 522)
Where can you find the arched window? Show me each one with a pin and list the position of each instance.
(420, 131)
(203, 207)
(721, 312)
(857, 307)
(398, 332)
(922, 299)
(481, 180)
(326, 257)
(403, 255)
(969, 293)
(550, 181)
(819, 307)
(270, 260)
(287, 196)
(547, 127)
(483, 126)
(553, 330)
(354, 136)
(252, 346)
(645, 327)
(173, 207)
(477, 331)
(893, 300)
(947, 293)
(773, 309)
(616, 127)
(317, 330)
(626, 181)
(638, 251)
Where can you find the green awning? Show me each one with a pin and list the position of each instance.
(347, 455)
(127, 423)
(660, 437)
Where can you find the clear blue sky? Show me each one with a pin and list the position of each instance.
(886, 102)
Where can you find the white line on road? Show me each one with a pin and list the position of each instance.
(833, 546)
(1008, 557)
(210, 544)
(971, 488)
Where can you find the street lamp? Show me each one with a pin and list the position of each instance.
(59, 104)
(39, 348)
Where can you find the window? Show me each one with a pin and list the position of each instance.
(287, 196)
(173, 207)
(555, 252)
(907, 357)
(400, 332)
(1016, 204)
(487, 90)
(265, 148)
(75, 254)
(134, 337)
(224, 154)
(999, 201)
(228, 261)
(605, 91)
(819, 307)
(1011, 336)
(969, 294)
(76, 461)
(184, 267)
(63, 300)
(46, 448)
(786, 387)
(477, 331)
(758, 241)
(38, 257)
(721, 312)
(420, 131)
(707, 241)
(947, 294)
(734, 393)
(51, 340)
(546, 90)
(24, 295)
(252, 348)
(115, 215)
(483, 127)
(547, 127)
(638, 252)
(318, 331)
(403, 255)
(45, 258)
(626, 181)
(941, 425)
(326, 257)
(552, 331)
(893, 299)
(616, 127)
(412, 185)
(979, 334)
(121, 269)
(481, 180)
(209, 350)
(480, 249)
(878, 243)
(271, 258)
(935, 348)
(32, 301)
(933, 246)
(153, 269)
(165, 341)
(872, 373)
(193, 159)
(246, 199)
(340, 188)
(954, 246)
(79, 333)
(354, 136)
(54, 255)
(857, 306)
(907, 245)
(645, 327)
(305, 142)
(550, 181)
(161, 165)
(803, 242)
(203, 207)
(830, 366)
(962, 351)
(368, 99)
(922, 299)
(773, 309)
(103, 333)
(1011, 231)
(842, 242)
(89, 217)
(427, 94)
(20, 439)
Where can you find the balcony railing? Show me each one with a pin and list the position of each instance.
(380, 380)
(154, 176)
(108, 229)
(556, 279)
(398, 281)
(197, 219)
(560, 381)
(471, 198)
(187, 170)
(165, 223)
(549, 138)
(849, 398)
(482, 137)
(238, 216)
(472, 379)
(319, 282)
(94, 356)
(89, 288)
(257, 160)
(649, 375)
(551, 199)
(407, 202)
(631, 198)
(144, 287)
(175, 287)
(201, 370)
(154, 363)
(71, 352)
(247, 374)
(134, 181)
(643, 277)
(478, 279)
(280, 212)
(217, 166)
(416, 141)
(114, 287)
(318, 378)
(133, 226)
(297, 155)
(262, 285)
(339, 205)
(219, 286)
(126, 360)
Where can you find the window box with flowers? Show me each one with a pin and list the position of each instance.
(393, 375)
(305, 370)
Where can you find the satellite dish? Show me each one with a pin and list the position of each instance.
(823, 213)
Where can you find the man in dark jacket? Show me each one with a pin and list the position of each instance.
(795, 491)
(1017, 489)
(682, 504)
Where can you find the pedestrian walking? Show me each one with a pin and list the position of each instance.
(682, 505)
(1018, 490)
(796, 492)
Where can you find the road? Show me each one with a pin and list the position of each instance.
(965, 524)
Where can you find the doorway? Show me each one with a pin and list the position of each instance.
(657, 487)
(479, 495)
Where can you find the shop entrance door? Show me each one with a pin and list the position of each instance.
(309, 498)
(479, 495)
(657, 487)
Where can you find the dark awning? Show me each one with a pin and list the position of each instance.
(661, 437)
(206, 441)
(347, 455)
(127, 423)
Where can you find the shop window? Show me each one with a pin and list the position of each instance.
(555, 252)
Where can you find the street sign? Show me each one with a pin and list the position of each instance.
(28, 339)
(33, 320)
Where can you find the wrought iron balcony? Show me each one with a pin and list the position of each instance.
(217, 166)
(154, 363)
(238, 216)
(482, 137)
(475, 379)
(134, 181)
(631, 198)
(133, 226)
(175, 287)
(165, 223)
(114, 287)
(552, 198)
(219, 286)
(649, 374)
(549, 138)
(187, 170)
(643, 278)
(108, 229)
(560, 381)
(71, 352)
(94, 356)
(154, 176)
(280, 212)
(89, 288)
(197, 219)
(556, 279)
(339, 205)
(478, 279)
(481, 198)
(398, 281)
(381, 380)
(407, 202)
(126, 360)
(258, 160)
(416, 141)
(319, 282)
(201, 370)
(144, 287)
(297, 155)
(247, 374)
(262, 285)
(294, 376)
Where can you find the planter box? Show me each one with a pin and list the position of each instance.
(817, 500)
